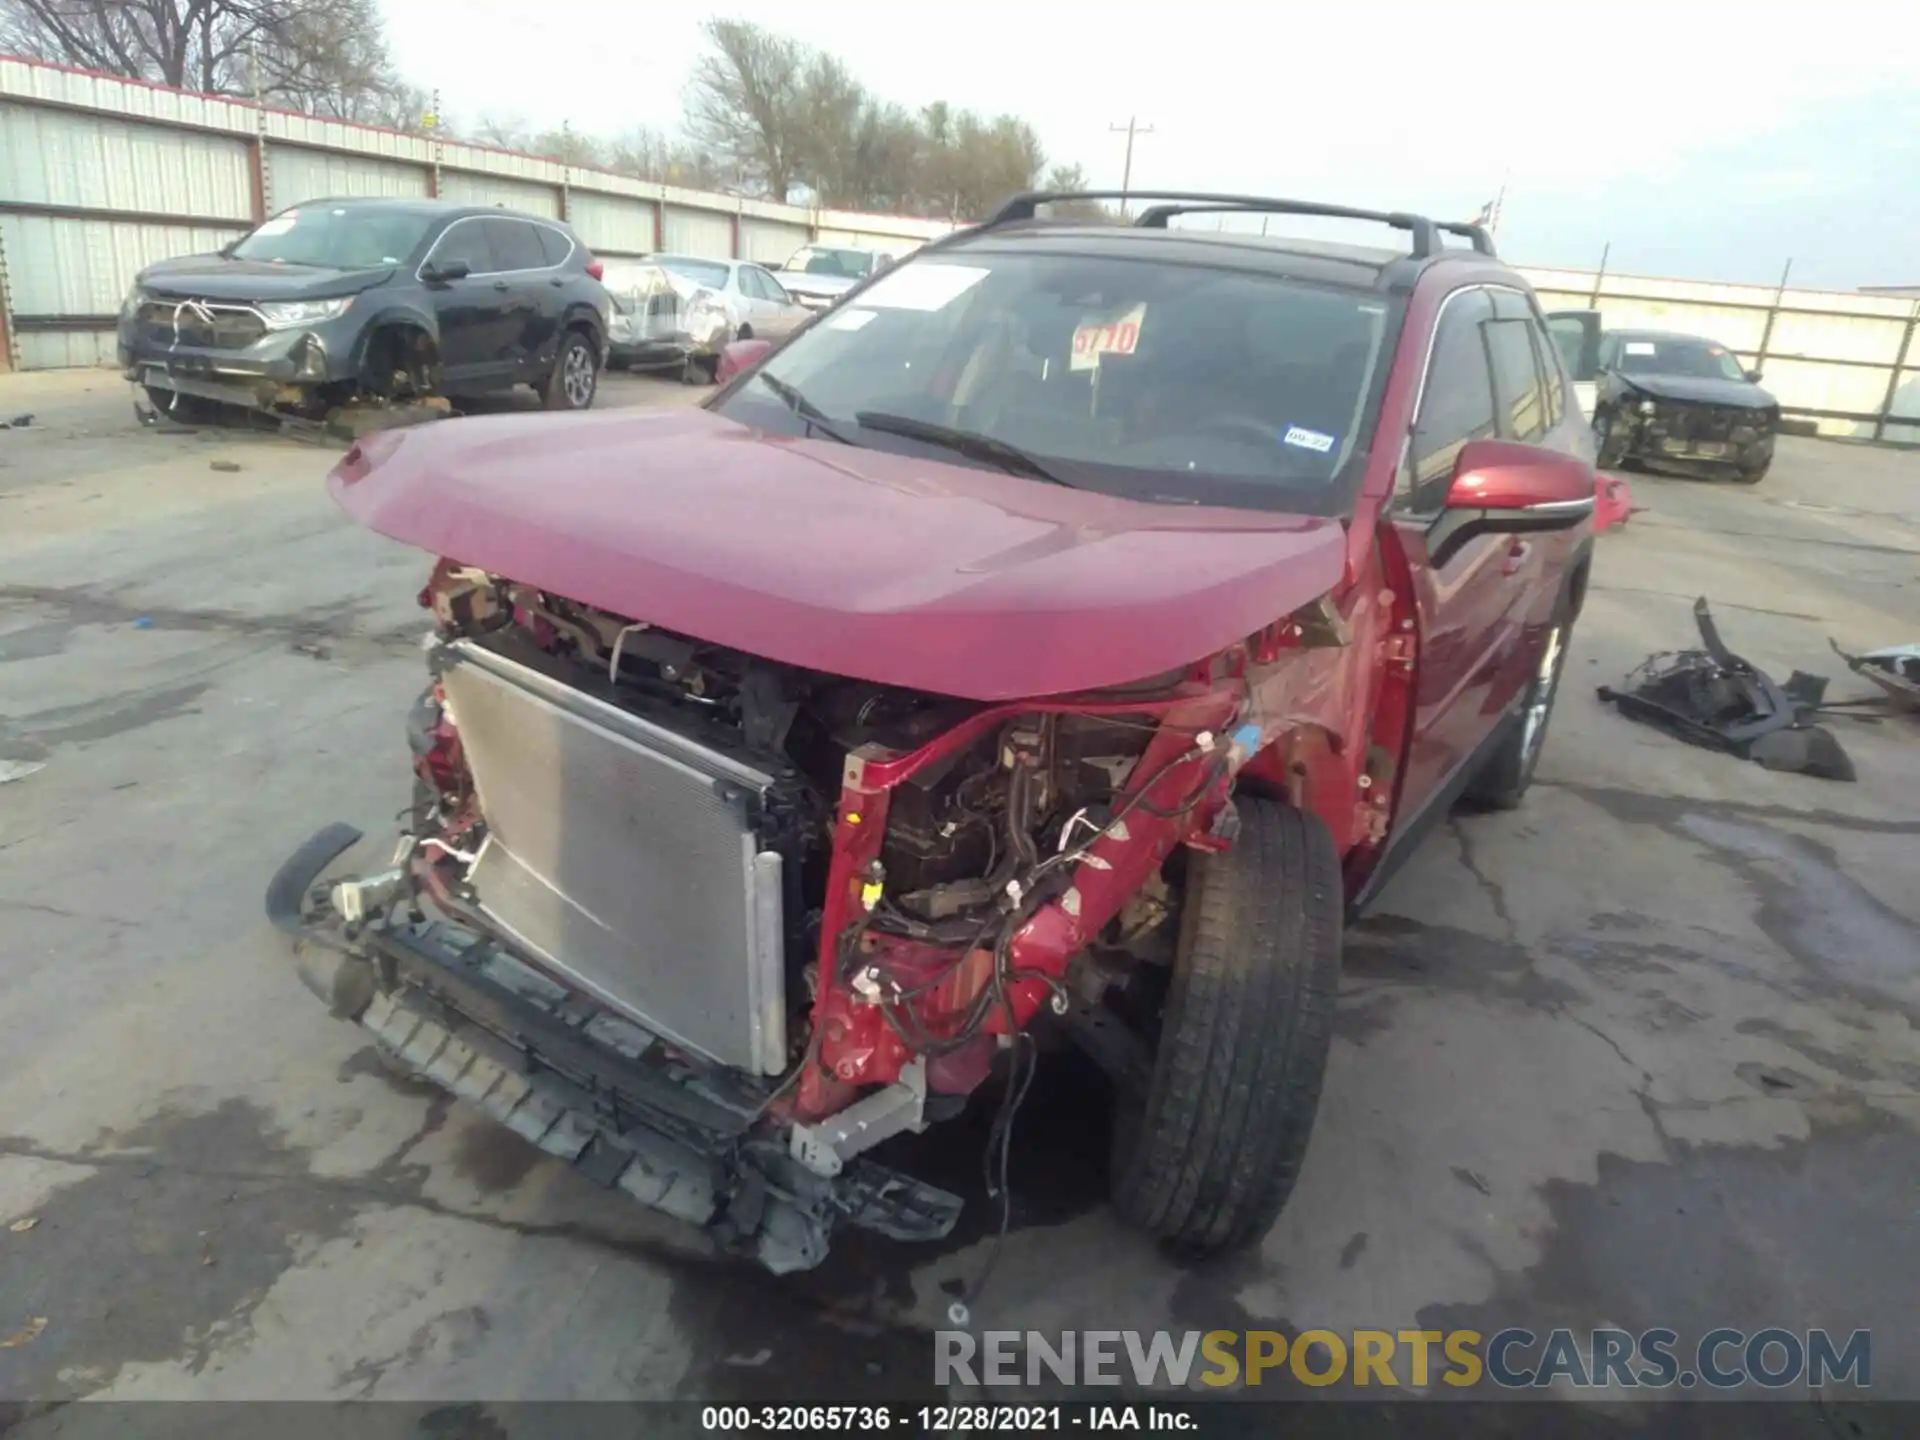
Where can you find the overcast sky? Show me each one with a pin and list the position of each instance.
(1699, 138)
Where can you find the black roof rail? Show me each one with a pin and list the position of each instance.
(1024, 207)
(1482, 241)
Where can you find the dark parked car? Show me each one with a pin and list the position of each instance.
(1673, 400)
(1068, 630)
(385, 298)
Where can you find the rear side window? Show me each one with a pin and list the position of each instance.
(1516, 381)
(1552, 378)
(516, 245)
(1510, 305)
(555, 246)
(1458, 404)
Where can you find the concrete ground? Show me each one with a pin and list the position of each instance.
(1643, 1053)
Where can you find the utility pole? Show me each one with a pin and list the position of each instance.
(1132, 128)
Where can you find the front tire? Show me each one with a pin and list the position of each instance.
(1753, 474)
(575, 376)
(1207, 1158)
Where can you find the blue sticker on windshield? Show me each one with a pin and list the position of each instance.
(1307, 439)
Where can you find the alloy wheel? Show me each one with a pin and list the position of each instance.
(1540, 700)
(577, 377)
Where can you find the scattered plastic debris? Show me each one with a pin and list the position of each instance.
(753, 1361)
(18, 422)
(226, 467)
(21, 1227)
(25, 1335)
(19, 769)
(1895, 670)
(144, 622)
(1713, 698)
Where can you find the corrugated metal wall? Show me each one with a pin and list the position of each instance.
(1829, 356)
(770, 241)
(57, 157)
(695, 232)
(296, 175)
(59, 266)
(612, 224)
(65, 350)
(527, 195)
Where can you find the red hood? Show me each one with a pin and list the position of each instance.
(855, 562)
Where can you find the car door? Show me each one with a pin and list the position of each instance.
(470, 309)
(1467, 598)
(777, 312)
(1576, 335)
(531, 318)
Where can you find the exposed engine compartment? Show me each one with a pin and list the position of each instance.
(970, 838)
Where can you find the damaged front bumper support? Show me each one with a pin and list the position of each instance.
(451, 1006)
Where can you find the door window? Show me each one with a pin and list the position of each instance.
(516, 245)
(465, 240)
(762, 286)
(1458, 403)
(555, 246)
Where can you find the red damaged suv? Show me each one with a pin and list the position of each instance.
(1064, 633)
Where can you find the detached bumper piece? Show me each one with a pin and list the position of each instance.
(1713, 698)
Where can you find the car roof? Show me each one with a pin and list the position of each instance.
(1363, 267)
(420, 205)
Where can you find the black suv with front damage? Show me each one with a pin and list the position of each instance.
(1681, 401)
(338, 300)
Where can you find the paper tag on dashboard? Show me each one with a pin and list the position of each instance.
(1107, 337)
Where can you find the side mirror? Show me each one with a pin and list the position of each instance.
(1753, 376)
(449, 270)
(740, 355)
(1500, 487)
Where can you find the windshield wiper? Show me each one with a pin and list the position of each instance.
(812, 414)
(971, 443)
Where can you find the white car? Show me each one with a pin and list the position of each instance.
(818, 275)
(684, 309)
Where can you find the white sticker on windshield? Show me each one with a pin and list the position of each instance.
(1308, 439)
(1095, 337)
(848, 319)
(922, 287)
(1639, 347)
(280, 224)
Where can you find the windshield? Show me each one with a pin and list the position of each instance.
(701, 272)
(849, 264)
(1697, 359)
(1139, 378)
(336, 237)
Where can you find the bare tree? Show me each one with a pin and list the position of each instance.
(744, 103)
(326, 57)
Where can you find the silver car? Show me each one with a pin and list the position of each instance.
(680, 311)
